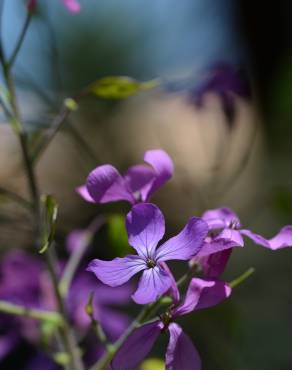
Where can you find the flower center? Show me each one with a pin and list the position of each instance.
(234, 225)
(150, 263)
(166, 318)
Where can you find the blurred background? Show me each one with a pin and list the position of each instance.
(222, 111)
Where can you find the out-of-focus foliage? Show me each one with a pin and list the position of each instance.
(50, 212)
(117, 235)
(119, 87)
(153, 364)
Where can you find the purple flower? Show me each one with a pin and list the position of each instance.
(19, 288)
(105, 184)
(181, 353)
(105, 298)
(225, 233)
(40, 361)
(34, 289)
(226, 81)
(146, 227)
(72, 5)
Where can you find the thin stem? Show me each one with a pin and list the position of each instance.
(96, 326)
(66, 333)
(51, 132)
(77, 255)
(18, 310)
(16, 198)
(108, 356)
(240, 279)
(20, 40)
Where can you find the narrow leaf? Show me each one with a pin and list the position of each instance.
(50, 212)
(119, 87)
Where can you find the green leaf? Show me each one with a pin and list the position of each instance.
(119, 87)
(70, 104)
(48, 329)
(117, 234)
(62, 358)
(50, 212)
(89, 305)
(153, 364)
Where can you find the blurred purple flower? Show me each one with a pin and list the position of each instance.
(41, 362)
(24, 281)
(146, 226)
(19, 284)
(72, 5)
(180, 353)
(225, 233)
(226, 81)
(105, 184)
(112, 321)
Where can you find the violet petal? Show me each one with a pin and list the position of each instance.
(220, 217)
(214, 264)
(181, 354)
(145, 226)
(186, 244)
(83, 192)
(202, 294)
(153, 283)
(72, 5)
(136, 347)
(282, 240)
(118, 271)
(163, 166)
(105, 184)
(138, 178)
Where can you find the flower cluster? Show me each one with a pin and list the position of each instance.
(34, 290)
(206, 242)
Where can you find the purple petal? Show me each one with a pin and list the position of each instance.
(76, 239)
(226, 239)
(186, 244)
(145, 226)
(83, 192)
(202, 294)
(105, 184)
(8, 342)
(281, 240)
(153, 283)
(40, 361)
(113, 322)
(118, 271)
(220, 217)
(181, 354)
(163, 166)
(138, 178)
(231, 237)
(72, 5)
(173, 290)
(136, 347)
(214, 264)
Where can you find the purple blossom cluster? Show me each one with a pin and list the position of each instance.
(34, 290)
(205, 242)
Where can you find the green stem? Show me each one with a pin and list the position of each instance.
(145, 313)
(66, 332)
(77, 255)
(16, 198)
(240, 279)
(17, 310)
(20, 40)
